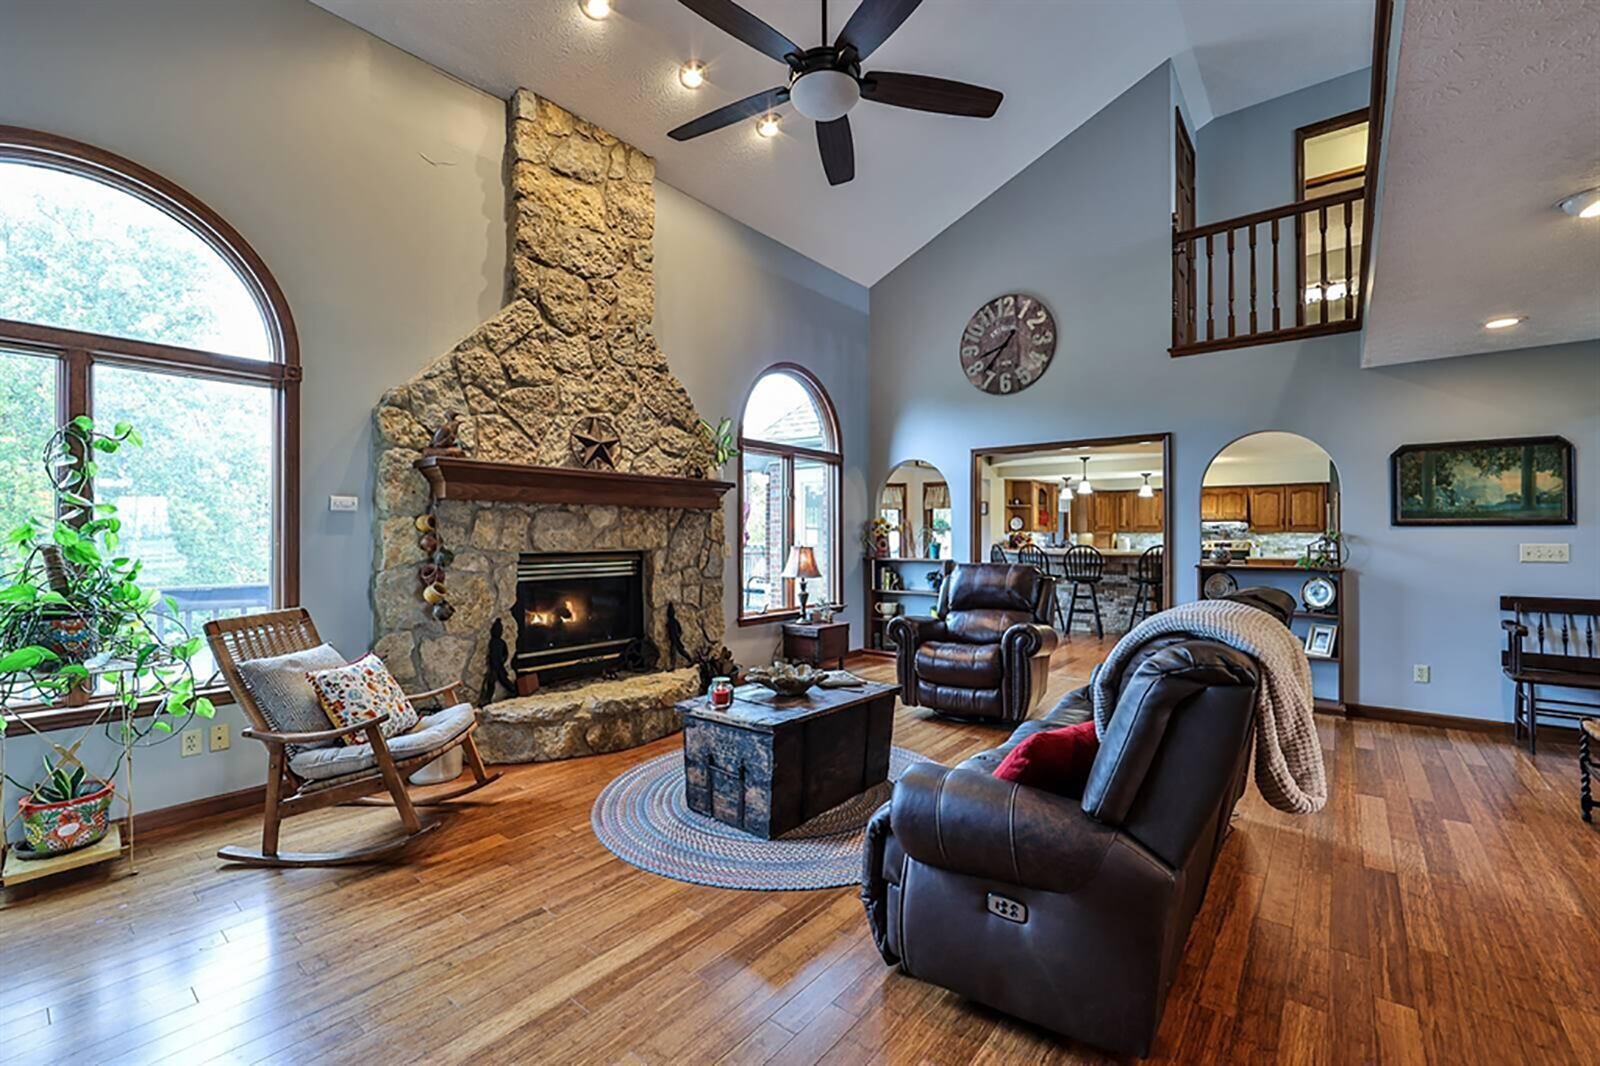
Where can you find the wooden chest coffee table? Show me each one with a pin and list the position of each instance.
(770, 763)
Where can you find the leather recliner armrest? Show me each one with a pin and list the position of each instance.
(1025, 640)
(969, 822)
(874, 886)
(908, 632)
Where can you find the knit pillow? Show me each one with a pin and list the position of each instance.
(280, 688)
(1056, 760)
(361, 691)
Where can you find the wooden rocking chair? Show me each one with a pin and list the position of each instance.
(234, 640)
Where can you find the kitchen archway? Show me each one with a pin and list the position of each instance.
(1269, 516)
(1108, 494)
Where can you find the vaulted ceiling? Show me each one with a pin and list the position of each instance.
(1058, 62)
(1495, 119)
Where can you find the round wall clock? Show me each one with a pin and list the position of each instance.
(1008, 344)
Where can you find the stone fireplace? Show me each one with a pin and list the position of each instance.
(574, 342)
(578, 613)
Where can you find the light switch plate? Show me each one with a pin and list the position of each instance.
(191, 742)
(1544, 553)
(343, 503)
(219, 736)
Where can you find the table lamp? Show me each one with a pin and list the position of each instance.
(802, 564)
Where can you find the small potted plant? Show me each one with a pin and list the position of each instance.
(64, 811)
(714, 448)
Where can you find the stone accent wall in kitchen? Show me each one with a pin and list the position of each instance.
(574, 340)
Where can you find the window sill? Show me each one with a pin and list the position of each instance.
(778, 617)
(51, 719)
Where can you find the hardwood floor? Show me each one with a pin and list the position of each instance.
(1441, 909)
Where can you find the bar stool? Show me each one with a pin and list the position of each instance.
(1148, 578)
(1031, 555)
(997, 554)
(1084, 566)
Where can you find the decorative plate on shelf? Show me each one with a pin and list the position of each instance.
(1318, 594)
(1219, 585)
(1015, 523)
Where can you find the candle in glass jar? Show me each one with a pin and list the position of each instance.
(721, 692)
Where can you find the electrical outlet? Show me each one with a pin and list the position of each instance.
(1544, 553)
(190, 742)
(219, 736)
(1422, 673)
(343, 503)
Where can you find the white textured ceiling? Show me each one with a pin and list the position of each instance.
(1057, 61)
(1496, 118)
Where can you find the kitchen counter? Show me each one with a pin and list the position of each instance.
(1109, 553)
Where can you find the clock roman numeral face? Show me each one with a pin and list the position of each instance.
(1008, 344)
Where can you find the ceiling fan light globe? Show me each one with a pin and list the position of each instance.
(824, 95)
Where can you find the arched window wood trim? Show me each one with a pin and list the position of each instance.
(77, 351)
(834, 457)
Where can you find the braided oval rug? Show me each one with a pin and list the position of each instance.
(644, 819)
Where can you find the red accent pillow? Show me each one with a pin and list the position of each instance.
(1056, 760)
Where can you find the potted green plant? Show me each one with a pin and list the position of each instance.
(66, 810)
(73, 611)
(715, 447)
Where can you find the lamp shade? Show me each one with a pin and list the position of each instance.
(802, 562)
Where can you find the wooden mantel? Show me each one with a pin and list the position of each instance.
(454, 478)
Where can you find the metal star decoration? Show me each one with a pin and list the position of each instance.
(595, 442)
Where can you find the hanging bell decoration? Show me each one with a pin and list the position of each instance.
(426, 523)
(443, 611)
(434, 593)
(443, 557)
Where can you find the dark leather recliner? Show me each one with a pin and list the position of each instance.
(1110, 884)
(987, 653)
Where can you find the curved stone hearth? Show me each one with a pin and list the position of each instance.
(585, 718)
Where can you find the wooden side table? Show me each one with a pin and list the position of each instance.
(816, 642)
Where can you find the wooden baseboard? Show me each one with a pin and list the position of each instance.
(227, 802)
(1437, 721)
(1560, 734)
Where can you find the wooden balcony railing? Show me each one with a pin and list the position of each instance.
(1282, 274)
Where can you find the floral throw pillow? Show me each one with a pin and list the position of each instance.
(359, 692)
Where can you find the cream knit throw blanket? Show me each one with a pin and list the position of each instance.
(1289, 770)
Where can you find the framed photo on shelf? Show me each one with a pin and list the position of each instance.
(1515, 481)
(1320, 640)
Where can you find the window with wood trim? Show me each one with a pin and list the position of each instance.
(789, 493)
(124, 298)
(1330, 158)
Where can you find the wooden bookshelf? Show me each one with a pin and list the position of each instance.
(1329, 676)
(917, 597)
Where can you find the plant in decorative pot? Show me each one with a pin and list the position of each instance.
(76, 624)
(875, 538)
(66, 810)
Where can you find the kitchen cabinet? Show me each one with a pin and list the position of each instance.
(1230, 504)
(1144, 515)
(1306, 508)
(1105, 516)
(1035, 502)
(1266, 508)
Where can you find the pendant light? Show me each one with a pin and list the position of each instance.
(1145, 491)
(1084, 488)
(1064, 500)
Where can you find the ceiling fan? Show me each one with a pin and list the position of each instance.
(826, 82)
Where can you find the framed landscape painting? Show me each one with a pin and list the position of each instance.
(1520, 481)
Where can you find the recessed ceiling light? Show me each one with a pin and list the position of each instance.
(767, 125)
(1505, 323)
(692, 74)
(1585, 204)
(595, 9)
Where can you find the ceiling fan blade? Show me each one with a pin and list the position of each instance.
(922, 93)
(749, 107)
(736, 21)
(872, 24)
(838, 150)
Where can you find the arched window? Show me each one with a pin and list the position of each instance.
(124, 298)
(788, 494)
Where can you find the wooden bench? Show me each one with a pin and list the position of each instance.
(1551, 642)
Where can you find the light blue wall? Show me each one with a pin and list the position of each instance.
(309, 136)
(1086, 227)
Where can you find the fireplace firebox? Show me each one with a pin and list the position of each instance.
(577, 613)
